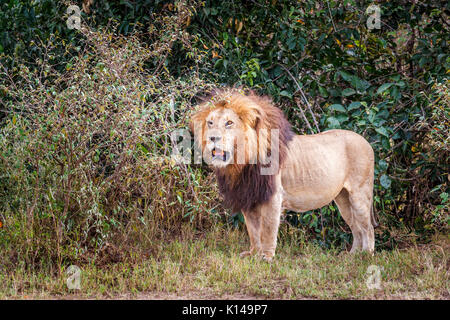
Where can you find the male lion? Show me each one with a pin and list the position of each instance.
(309, 170)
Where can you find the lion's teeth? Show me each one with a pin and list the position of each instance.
(218, 153)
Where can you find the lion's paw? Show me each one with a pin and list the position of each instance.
(267, 258)
(245, 254)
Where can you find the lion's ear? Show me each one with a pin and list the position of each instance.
(252, 117)
(198, 117)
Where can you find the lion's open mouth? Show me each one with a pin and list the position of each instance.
(219, 154)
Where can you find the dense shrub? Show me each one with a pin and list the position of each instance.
(85, 154)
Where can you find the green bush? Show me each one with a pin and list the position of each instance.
(85, 155)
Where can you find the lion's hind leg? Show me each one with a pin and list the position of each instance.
(362, 201)
(355, 208)
(345, 208)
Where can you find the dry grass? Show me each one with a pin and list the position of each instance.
(209, 267)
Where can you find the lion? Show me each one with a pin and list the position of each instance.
(309, 171)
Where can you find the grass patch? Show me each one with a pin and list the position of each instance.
(208, 266)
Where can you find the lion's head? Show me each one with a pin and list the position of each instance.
(236, 131)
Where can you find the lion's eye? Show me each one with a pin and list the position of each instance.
(210, 123)
(228, 123)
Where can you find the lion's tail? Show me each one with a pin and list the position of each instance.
(372, 216)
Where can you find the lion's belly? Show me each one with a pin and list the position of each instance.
(303, 195)
(313, 174)
(305, 202)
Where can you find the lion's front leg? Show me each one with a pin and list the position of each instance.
(253, 224)
(270, 221)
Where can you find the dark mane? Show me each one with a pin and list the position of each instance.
(250, 190)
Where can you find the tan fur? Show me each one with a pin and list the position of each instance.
(314, 170)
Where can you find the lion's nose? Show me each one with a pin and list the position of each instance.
(215, 139)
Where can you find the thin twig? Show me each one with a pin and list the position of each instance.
(331, 17)
(304, 117)
(304, 98)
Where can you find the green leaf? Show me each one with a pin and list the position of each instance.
(285, 93)
(383, 131)
(361, 85)
(395, 93)
(385, 143)
(323, 91)
(337, 107)
(384, 87)
(348, 92)
(383, 165)
(385, 181)
(357, 83)
(334, 92)
(333, 123)
(342, 117)
(354, 105)
(346, 76)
